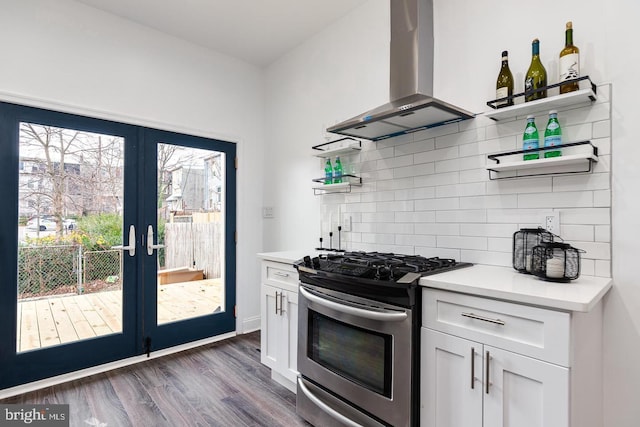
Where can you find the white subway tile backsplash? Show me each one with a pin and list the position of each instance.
(602, 233)
(602, 198)
(475, 215)
(593, 216)
(415, 240)
(462, 242)
(415, 147)
(460, 138)
(603, 268)
(587, 267)
(395, 184)
(520, 186)
(415, 170)
(395, 206)
(416, 217)
(594, 250)
(429, 192)
(395, 162)
(430, 251)
(601, 129)
(491, 202)
(576, 232)
(437, 179)
(438, 229)
(473, 175)
(416, 193)
(435, 155)
(468, 189)
(565, 199)
(437, 204)
(503, 259)
(500, 244)
(489, 230)
(381, 239)
(594, 181)
(377, 217)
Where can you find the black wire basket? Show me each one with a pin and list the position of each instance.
(523, 243)
(556, 262)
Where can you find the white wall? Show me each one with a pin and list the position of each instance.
(326, 80)
(66, 56)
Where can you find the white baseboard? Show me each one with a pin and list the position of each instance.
(249, 324)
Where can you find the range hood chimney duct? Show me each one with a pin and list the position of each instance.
(412, 106)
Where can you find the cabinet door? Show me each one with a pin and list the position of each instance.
(450, 381)
(290, 333)
(525, 392)
(271, 338)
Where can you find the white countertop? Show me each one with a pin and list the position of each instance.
(288, 257)
(506, 283)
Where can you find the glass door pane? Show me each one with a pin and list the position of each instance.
(70, 193)
(191, 232)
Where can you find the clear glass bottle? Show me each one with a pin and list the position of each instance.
(337, 171)
(531, 139)
(536, 75)
(504, 83)
(553, 135)
(328, 172)
(569, 63)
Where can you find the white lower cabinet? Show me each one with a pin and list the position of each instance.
(522, 391)
(279, 322)
(489, 363)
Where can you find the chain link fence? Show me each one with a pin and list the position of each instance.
(56, 270)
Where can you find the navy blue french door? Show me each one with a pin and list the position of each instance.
(115, 240)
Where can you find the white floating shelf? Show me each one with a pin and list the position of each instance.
(586, 93)
(573, 154)
(342, 187)
(352, 149)
(540, 163)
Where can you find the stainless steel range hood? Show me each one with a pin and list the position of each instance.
(412, 106)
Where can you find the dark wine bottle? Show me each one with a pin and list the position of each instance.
(536, 77)
(504, 83)
(569, 62)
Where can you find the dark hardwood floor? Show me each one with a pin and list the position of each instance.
(220, 384)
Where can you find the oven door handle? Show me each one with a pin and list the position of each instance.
(388, 316)
(326, 408)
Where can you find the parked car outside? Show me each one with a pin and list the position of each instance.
(48, 223)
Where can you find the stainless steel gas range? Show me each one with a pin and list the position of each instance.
(358, 345)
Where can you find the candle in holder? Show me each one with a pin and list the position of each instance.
(555, 268)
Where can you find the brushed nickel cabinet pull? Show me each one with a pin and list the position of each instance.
(277, 302)
(278, 273)
(282, 310)
(487, 363)
(473, 367)
(484, 319)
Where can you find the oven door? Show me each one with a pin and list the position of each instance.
(357, 349)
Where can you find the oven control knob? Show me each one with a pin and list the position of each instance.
(307, 261)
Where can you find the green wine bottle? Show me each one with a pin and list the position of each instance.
(536, 77)
(328, 172)
(553, 135)
(530, 139)
(504, 83)
(337, 171)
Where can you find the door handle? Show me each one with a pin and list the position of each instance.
(132, 242)
(150, 245)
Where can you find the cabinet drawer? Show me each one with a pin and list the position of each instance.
(531, 331)
(279, 274)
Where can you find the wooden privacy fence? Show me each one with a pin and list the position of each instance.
(194, 245)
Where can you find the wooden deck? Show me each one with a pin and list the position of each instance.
(62, 319)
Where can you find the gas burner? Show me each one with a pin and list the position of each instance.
(380, 266)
